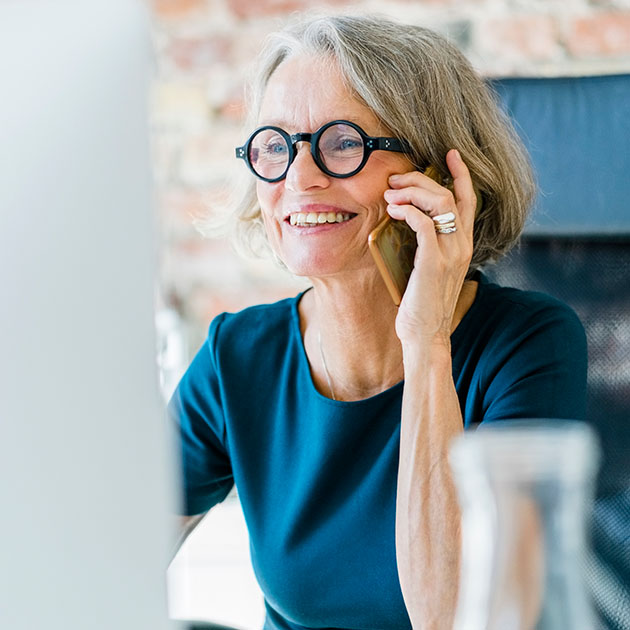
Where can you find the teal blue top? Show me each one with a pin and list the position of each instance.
(317, 477)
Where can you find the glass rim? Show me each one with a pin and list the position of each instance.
(531, 449)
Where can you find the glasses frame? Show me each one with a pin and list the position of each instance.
(370, 144)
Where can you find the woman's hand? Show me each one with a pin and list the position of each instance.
(441, 262)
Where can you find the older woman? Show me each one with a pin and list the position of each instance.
(333, 411)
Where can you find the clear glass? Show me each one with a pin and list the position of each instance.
(525, 489)
(269, 153)
(341, 149)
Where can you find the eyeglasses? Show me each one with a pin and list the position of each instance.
(339, 148)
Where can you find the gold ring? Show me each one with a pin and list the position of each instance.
(441, 226)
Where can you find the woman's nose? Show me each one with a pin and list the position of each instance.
(304, 174)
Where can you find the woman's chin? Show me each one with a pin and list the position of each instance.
(312, 270)
(328, 268)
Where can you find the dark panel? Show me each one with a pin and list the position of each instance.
(593, 277)
(577, 131)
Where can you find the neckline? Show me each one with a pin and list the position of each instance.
(295, 316)
(455, 340)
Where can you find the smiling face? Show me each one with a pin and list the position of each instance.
(319, 225)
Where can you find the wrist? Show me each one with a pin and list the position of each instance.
(426, 353)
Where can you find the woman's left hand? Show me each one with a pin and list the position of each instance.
(441, 261)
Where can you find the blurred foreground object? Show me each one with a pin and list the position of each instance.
(87, 482)
(525, 489)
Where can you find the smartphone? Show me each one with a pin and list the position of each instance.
(393, 244)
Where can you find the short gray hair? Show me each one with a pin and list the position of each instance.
(422, 89)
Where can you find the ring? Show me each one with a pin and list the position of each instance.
(444, 229)
(447, 217)
(441, 226)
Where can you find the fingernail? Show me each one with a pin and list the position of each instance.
(393, 178)
(459, 157)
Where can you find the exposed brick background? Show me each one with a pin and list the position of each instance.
(604, 35)
(204, 48)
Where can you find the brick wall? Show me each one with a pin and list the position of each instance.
(204, 47)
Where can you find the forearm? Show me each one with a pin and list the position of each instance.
(427, 512)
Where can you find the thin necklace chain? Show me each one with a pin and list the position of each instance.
(321, 354)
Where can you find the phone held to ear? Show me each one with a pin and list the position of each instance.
(393, 244)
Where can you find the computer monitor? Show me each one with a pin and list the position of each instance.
(86, 477)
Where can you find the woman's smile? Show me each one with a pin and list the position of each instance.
(317, 215)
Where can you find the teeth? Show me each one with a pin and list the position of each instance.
(315, 218)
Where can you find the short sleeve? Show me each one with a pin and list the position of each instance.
(539, 367)
(197, 411)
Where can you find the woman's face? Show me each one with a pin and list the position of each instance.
(303, 94)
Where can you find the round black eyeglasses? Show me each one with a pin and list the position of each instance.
(339, 148)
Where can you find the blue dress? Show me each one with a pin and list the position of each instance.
(317, 477)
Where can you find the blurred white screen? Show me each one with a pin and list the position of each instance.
(87, 478)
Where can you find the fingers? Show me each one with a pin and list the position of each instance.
(418, 221)
(425, 194)
(424, 227)
(419, 190)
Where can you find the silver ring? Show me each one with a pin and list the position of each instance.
(445, 230)
(447, 217)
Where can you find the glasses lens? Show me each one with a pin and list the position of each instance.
(341, 149)
(269, 153)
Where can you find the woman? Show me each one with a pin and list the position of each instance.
(333, 411)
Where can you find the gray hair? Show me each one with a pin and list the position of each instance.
(423, 89)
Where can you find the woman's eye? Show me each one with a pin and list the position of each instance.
(349, 143)
(342, 145)
(275, 148)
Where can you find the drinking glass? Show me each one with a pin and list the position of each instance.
(525, 491)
